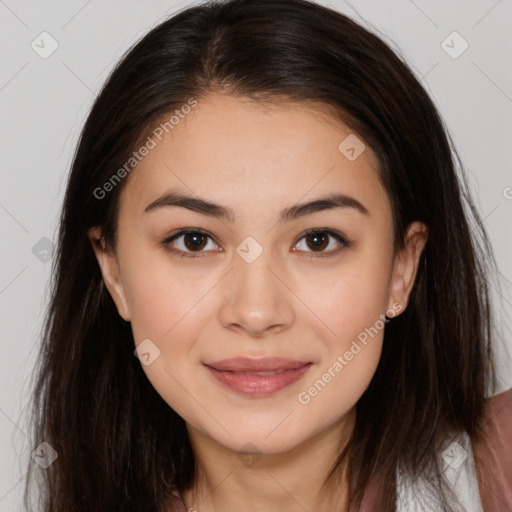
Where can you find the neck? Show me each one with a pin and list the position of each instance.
(284, 482)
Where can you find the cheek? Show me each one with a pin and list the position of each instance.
(354, 310)
(158, 294)
(351, 298)
(170, 308)
(154, 308)
(165, 309)
(352, 306)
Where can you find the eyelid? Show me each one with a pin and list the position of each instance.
(343, 241)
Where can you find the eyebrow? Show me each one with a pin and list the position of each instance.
(295, 211)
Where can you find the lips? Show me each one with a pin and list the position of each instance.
(257, 377)
(267, 364)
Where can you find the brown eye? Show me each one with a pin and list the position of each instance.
(193, 241)
(317, 240)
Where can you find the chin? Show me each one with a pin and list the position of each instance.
(248, 439)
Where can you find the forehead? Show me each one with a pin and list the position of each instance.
(240, 152)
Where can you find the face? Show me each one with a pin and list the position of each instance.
(260, 276)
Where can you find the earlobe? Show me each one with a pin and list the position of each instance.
(109, 267)
(406, 264)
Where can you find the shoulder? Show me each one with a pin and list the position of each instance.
(493, 455)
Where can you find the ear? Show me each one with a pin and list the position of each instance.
(109, 266)
(405, 265)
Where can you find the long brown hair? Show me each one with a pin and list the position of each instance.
(120, 446)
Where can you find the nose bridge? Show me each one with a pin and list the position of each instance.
(252, 275)
(257, 299)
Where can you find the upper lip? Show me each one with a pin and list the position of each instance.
(240, 364)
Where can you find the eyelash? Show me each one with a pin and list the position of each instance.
(339, 238)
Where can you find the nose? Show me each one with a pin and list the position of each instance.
(258, 297)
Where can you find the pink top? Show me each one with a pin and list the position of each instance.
(493, 461)
(493, 456)
(177, 505)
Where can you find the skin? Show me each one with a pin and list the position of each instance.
(257, 161)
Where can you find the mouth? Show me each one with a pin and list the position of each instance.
(257, 377)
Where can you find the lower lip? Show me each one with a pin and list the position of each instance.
(258, 384)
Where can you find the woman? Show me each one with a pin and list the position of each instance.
(268, 294)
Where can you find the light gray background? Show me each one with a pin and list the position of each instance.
(44, 103)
